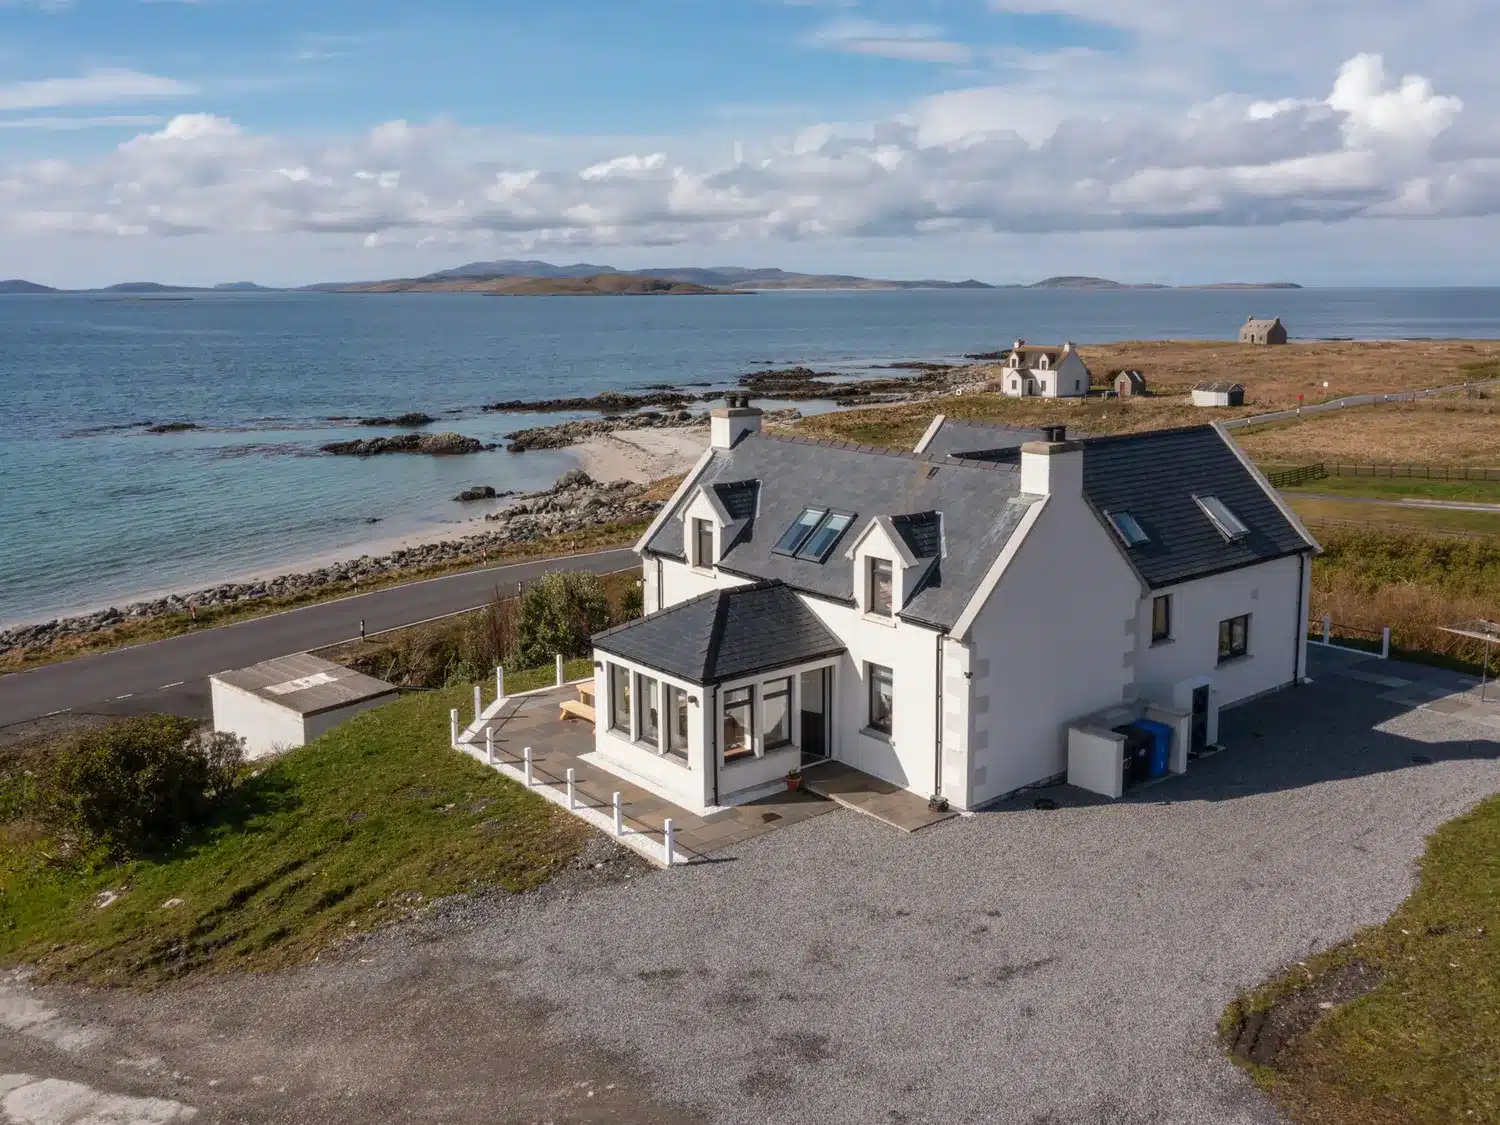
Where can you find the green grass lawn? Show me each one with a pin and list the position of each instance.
(1402, 488)
(362, 827)
(1423, 1047)
(1377, 516)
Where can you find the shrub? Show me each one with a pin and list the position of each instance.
(137, 783)
(559, 613)
(631, 605)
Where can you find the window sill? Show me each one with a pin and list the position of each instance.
(880, 619)
(1240, 659)
(878, 735)
(1163, 642)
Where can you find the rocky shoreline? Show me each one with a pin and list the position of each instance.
(438, 445)
(576, 502)
(565, 434)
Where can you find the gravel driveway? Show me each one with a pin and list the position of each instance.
(1017, 966)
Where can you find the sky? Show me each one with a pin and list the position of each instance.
(1329, 142)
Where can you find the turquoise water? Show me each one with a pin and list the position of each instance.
(94, 514)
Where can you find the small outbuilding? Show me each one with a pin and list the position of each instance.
(289, 701)
(1263, 331)
(1219, 394)
(1128, 383)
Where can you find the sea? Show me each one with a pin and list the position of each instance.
(95, 512)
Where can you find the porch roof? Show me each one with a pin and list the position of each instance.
(724, 635)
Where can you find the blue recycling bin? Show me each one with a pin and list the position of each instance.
(1161, 746)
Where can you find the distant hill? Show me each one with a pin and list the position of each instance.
(241, 287)
(145, 287)
(16, 285)
(1084, 282)
(601, 285)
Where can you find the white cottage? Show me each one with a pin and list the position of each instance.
(1044, 372)
(942, 618)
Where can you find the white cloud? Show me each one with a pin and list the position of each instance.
(98, 87)
(967, 161)
(908, 42)
(65, 124)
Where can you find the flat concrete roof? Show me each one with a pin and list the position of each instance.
(306, 684)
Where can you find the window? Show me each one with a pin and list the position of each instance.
(776, 698)
(619, 699)
(1234, 637)
(1129, 528)
(677, 722)
(1230, 525)
(739, 723)
(650, 716)
(703, 543)
(801, 528)
(881, 697)
(820, 543)
(879, 597)
(1161, 618)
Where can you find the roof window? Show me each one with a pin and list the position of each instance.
(821, 542)
(1230, 526)
(801, 528)
(1128, 528)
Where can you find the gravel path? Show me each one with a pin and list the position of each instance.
(1018, 966)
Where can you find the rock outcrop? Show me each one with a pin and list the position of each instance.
(414, 418)
(441, 445)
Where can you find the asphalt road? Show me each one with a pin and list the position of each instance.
(1347, 400)
(172, 674)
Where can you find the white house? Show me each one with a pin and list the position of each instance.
(941, 618)
(1044, 372)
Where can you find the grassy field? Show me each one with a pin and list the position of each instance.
(1402, 488)
(1435, 432)
(1435, 521)
(363, 827)
(172, 625)
(1411, 1034)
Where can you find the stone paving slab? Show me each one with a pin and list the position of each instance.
(872, 796)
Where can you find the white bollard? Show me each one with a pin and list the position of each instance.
(1327, 629)
(453, 728)
(1385, 643)
(478, 704)
(489, 745)
(619, 817)
(572, 803)
(666, 841)
(527, 755)
(559, 670)
(499, 682)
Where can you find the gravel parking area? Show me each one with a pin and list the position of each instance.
(1017, 966)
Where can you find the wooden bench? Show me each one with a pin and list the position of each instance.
(586, 692)
(576, 709)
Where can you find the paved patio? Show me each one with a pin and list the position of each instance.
(857, 790)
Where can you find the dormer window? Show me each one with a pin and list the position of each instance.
(881, 588)
(703, 544)
(801, 528)
(1230, 526)
(1128, 529)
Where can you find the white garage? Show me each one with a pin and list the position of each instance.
(289, 701)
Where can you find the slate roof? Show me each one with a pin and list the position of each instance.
(305, 684)
(980, 441)
(1255, 325)
(1155, 476)
(981, 506)
(724, 634)
(1221, 387)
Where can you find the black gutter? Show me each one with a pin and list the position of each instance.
(937, 740)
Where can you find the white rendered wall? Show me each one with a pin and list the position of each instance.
(1050, 645)
(681, 582)
(1267, 592)
(266, 728)
(687, 785)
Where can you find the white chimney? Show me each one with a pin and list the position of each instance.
(1053, 467)
(732, 421)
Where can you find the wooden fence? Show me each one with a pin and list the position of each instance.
(1288, 478)
(1300, 474)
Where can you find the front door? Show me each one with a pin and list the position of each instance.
(814, 712)
(1200, 719)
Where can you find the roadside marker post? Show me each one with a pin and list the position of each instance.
(1327, 629)
(1385, 643)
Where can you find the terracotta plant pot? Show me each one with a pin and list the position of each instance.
(794, 783)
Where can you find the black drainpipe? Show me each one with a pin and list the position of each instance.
(713, 726)
(1300, 638)
(937, 738)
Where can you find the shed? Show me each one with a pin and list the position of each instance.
(1219, 394)
(289, 701)
(1127, 383)
(1255, 331)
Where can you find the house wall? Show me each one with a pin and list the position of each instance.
(687, 784)
(1051, 644)
(266, 728)
(1268, 592)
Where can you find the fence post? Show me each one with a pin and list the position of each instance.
(489, 745)
(572, 804)
(559, 670)
(1327, 629)
(666, 841)
(478, 704)
(453, 728)
(499, 682)
(619, 816)
(1385, 643)
(526, 755)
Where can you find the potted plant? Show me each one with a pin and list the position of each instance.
(793, 779)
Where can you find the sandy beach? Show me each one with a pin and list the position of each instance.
(641, 455)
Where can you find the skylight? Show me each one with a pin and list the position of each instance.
(801, 528)
(821, 542)
(1230, 526)
(1130, 531)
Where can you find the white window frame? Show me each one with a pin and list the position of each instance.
(870, 669)
(871, 562)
